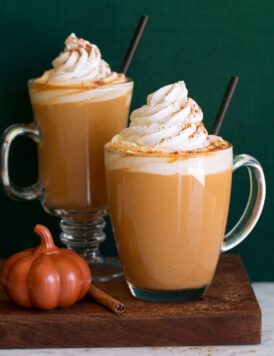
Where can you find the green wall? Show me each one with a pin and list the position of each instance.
(202, 42)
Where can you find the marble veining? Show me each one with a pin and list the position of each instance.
(265, 295)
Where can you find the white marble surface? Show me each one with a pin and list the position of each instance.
(265, 295)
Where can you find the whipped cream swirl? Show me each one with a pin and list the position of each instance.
(170, 122)
(79, 63)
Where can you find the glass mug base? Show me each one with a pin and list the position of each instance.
(105, 269)
(183, 295)
(83, 232)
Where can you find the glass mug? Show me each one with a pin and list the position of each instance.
(169, 214)
(71, 126)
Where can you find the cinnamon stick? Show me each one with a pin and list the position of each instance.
(106, 300)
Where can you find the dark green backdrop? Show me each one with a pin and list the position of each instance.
(201, 42)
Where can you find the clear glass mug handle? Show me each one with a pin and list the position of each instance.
(18, 193)
(254, 205)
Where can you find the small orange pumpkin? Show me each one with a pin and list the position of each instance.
(45, 277)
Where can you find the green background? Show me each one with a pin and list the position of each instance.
(201, 42)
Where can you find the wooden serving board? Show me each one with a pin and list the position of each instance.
(228, 314)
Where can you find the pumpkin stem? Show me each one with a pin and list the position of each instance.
(46, 238)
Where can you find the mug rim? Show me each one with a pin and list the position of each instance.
(31, 84)
(170, 155)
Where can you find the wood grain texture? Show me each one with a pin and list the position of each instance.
(228, 314)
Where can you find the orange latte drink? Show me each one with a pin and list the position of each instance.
(78, 105)
(169, 216)
(169, 186)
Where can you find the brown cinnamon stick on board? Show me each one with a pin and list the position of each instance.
(106, 300)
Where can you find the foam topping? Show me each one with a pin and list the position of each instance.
(169, 122)
(80, 63)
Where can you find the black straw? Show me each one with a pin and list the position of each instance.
(134, 43)
(225, 105)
